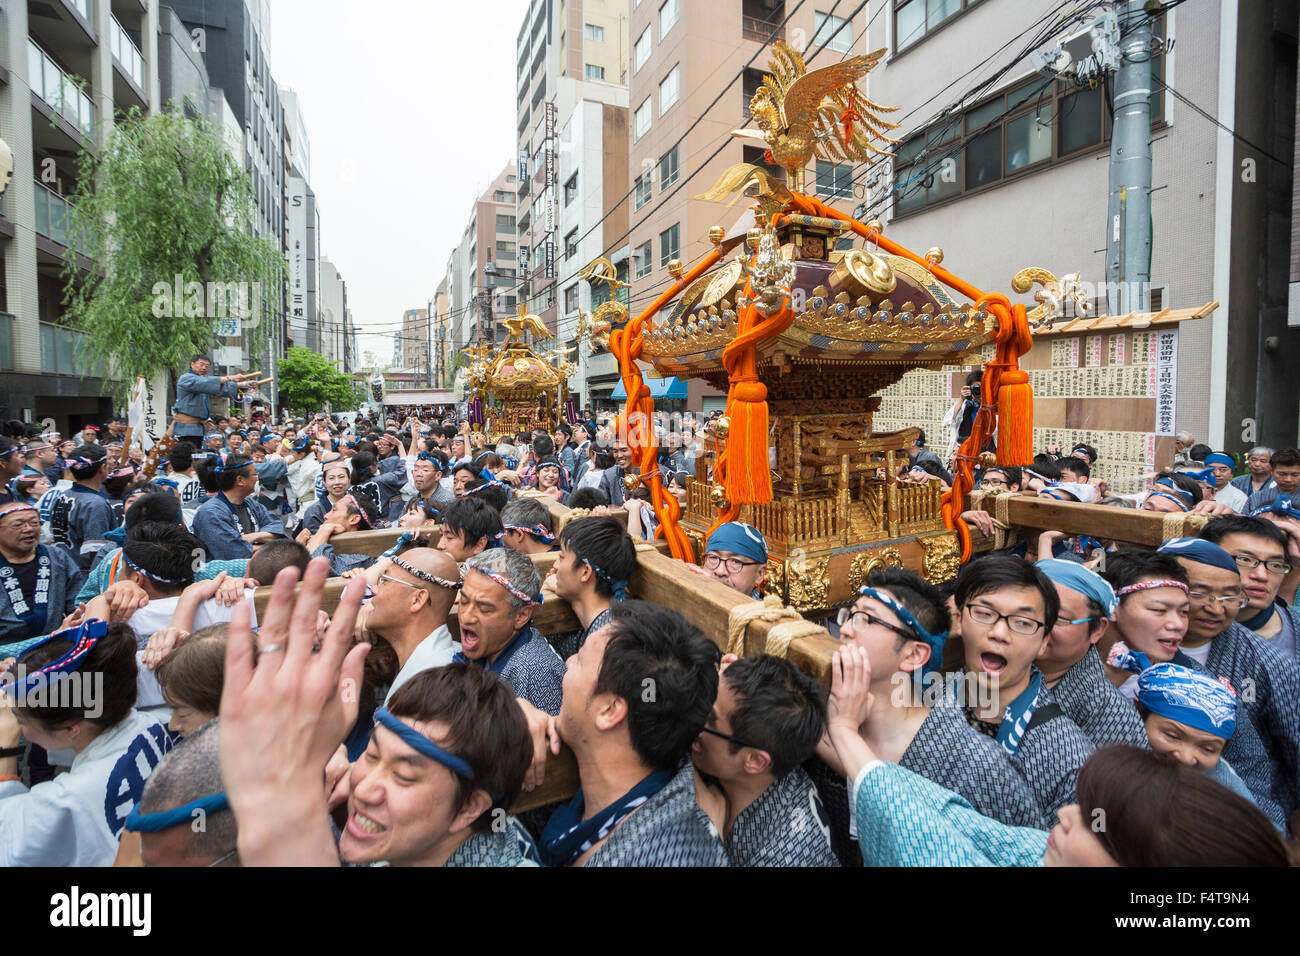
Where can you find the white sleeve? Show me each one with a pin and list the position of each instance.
(37, 827)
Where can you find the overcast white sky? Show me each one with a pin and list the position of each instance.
(410, 112)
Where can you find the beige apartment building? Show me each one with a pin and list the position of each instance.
(683, 55)
(481, 272)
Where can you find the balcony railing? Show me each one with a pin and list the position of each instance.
(59, 351)
(6, 341)
(126, 52)
(756, 28)
(59, 90)
(53, 214)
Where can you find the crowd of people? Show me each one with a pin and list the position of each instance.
(992, 719)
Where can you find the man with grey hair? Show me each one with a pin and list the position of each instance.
(183, 818)
(1183, 441)
(526, 526)
(495, 610)
(1258, 460)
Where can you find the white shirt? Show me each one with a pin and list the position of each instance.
(155, 616)
(590, 478)
(191, 491)
(1234, 498)
(1199, 654)
(436, 650)
(76, 818)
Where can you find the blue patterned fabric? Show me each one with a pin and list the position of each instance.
(669, 829)
(536, 673)
(906, 820)
(218, 529)
(1096, 706)
(786, 826)
(509, 846)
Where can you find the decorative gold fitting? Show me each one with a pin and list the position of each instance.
(630, 482)
(675, 268)
(718, 495)
(752, 239)
(934, 255)
(722, 426)
(716, 235)
(875, 225)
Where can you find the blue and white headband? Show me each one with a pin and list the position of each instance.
(1281, 505)
(1219, 458)
(423, 745)
(1198, 700)
(149, 574)
(936, 641)
(1073, 575)
(84, 637)
(137, 822)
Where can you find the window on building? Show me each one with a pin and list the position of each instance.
(757, 156)
(505, 223)
(668, 13)
(641, 122)
(835, 32)
(643, 190)
(669, 89)
(641, 52)
(594, 33)
(571, 190)
(505, 251)
(669, 244)
(593, 72)
(642, 261)
(913, 19)
(669, 169)
(571, 243)
(1028, 128)
(834, 180)
(501, 195)
(571, 298)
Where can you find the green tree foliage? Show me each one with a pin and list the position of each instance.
(165, 198)
(307, 381)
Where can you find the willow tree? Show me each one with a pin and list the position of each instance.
(165, 214)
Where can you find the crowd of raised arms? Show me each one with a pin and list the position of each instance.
(992, 720)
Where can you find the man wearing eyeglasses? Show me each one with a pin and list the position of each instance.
(409, 610)
(1008, 610)
(1071, 667)
(1259, 548)
(765, 722)
(1266, 755)
(902, 622)
(38, 585)
(736, 554)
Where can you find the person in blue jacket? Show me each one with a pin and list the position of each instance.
(231, 523)
(193, 389)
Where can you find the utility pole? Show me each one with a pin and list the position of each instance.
(1128, 223)
(428, 350)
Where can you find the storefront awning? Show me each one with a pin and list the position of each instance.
(669, 388)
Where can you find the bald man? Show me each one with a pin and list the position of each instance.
(409, 610)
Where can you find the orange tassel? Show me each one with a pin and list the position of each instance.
(1015, 418)
(748, 479)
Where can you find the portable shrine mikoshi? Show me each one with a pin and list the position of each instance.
(515, 388)
(803, 333)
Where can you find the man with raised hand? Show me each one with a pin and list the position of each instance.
(1072, 669)
(902, 622)
(1008, 610)
(635, 698)
(494, 610)
(766, 721)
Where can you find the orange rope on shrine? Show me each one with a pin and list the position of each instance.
(636, 422)
(1008, 402)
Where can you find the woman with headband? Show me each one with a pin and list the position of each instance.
(76, 818)
(1151, 618)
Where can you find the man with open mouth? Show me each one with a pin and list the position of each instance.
(1008, 610)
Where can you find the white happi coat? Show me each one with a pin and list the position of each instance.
(77, 818)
